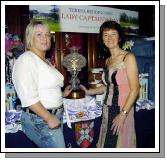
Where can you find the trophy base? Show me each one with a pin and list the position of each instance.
(76, 94)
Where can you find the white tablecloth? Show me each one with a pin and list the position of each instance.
(12, 121)
(144, 104)
(81, 109)
(75, 110)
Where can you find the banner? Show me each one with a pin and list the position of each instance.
(84, 19)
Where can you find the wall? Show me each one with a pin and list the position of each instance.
(144, 51)
(16, 19)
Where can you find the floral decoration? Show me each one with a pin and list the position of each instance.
(128, 45)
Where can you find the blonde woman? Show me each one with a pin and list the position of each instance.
(38, 85)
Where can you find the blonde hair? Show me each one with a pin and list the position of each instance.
(29, 33)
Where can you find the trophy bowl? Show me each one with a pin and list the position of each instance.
(74, 62)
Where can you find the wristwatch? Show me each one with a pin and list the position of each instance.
(125, 112)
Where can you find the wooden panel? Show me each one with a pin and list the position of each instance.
(16, 19)
(90, 62)
(92, 50)
(60, 50)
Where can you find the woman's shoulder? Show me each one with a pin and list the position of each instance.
(130, 60)
(26, 59)
(129, 56)
(27, 55)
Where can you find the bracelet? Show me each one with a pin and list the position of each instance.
(124, 111)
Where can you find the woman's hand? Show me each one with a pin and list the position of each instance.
(67, 91)
(118, 123)
(53, 122)
(84, 89)
(93, 91)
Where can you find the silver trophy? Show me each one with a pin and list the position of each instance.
(74, 62)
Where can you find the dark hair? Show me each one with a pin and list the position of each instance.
(112, 25)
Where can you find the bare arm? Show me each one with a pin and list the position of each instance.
(67, 91)
(93, 91)
(132, 74)
(41, 111)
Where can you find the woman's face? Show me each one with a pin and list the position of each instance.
(111, 38)
(41, 38)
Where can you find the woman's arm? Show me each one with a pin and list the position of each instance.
(132, 74)
(41, 111)
(93, 91)
(133, 79)
(67, 91)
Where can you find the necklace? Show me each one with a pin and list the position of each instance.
(41, 58)
(112, 59)
(45, 60)
(122, 53)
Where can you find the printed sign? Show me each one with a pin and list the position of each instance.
(84, 19)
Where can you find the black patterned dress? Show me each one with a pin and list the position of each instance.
(117, 91)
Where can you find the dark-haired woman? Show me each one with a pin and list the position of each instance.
(121, 88)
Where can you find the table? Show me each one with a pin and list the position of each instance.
(80, 127)
(145, 128)
(144, 122)
(83, 109)
(82, 113)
